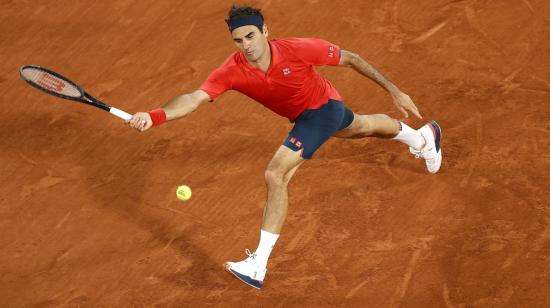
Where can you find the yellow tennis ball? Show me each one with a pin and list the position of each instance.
(183, 193)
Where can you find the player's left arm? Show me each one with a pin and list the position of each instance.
(401, 100)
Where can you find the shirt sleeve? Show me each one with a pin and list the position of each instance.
(317, 52)
(217, 83)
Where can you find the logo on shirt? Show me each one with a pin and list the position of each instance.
(296, 142)
(286, 71)
(331, 51)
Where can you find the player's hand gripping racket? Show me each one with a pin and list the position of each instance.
(57, 85)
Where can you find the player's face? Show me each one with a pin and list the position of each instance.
(251, 42)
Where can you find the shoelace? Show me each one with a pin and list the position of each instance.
(250, 255)
(422, 152)
(415, 152)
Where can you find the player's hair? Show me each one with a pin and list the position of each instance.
(238, 11)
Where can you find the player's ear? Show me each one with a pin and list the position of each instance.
(264, 30)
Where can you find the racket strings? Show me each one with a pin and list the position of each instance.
(50, 82)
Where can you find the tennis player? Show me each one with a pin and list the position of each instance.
(280, 74)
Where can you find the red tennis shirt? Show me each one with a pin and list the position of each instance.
(291, 84)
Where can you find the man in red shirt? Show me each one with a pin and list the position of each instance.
(280, 74)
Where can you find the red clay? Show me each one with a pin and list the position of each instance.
(88, 213)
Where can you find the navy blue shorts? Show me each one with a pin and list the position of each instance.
(315, 126)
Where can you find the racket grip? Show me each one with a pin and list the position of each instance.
(121, 114)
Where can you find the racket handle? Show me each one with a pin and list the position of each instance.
(121, 114)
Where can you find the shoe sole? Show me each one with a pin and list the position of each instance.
(246, 279)
(436, 129)
(437, 133)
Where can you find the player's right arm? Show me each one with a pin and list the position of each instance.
(178, 107)
(217, 83)
(184, 104)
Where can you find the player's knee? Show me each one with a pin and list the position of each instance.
(274, 177)
(364, 125)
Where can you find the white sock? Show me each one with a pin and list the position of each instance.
(267, 242)
(409, 136)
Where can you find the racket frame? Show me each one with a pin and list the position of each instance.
(84, 96)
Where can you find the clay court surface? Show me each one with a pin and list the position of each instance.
(88, 214)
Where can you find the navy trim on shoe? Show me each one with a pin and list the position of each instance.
(249, 281)
(437, 130)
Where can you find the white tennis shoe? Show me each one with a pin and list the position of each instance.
(431, 151)
(248, 270)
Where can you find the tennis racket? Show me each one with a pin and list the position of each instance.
(57, 85)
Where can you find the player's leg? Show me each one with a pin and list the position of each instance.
(373, 125)
(279, 172)
(311, 129)
(376, 125)
(424, 142)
